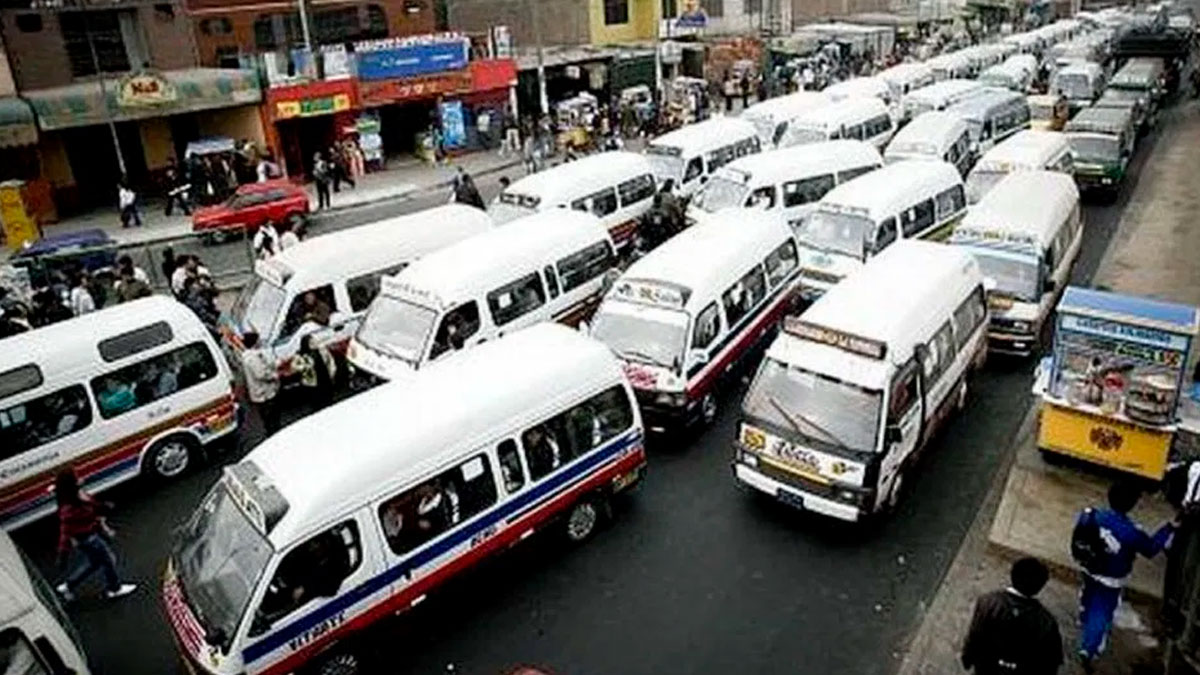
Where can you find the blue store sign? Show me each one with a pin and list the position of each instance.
(411, 60)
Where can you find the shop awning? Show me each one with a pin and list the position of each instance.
(17, 125)
(144, 95)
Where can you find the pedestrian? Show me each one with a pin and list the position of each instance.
(83, 528)
(169, 263)
(266, 241)
(201, 300)
(125, 264)
(80, 299)
(356, 162)
(512, 137)
(315, 309)
(337, 168)
(504, 181)
(1011, 632)
(483, 127)
(177, 189)
(746, 88)
(130, 287)
(14, 320)
(127, 199)
(317, 370)
(1182, 489)
(291, 235)
(321, 178)
(267, 169)
(465, 191)
(1105, 542)
(262, 382)
(187, 267)
(48, 307)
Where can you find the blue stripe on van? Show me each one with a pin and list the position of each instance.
(509, 511)
(129, 465)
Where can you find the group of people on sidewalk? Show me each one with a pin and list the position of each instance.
(343, 162)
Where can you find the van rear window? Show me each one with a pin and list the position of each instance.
(19, 379)
(138, 340)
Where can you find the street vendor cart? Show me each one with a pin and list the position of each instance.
(1115, 389)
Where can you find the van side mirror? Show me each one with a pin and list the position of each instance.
(338, 320)
(697, 357)
(892, 435)
(1050, 286)
(258, 625)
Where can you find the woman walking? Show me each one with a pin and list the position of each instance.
(81, 527)
(317, 370)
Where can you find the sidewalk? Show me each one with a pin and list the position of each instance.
(1031, 505)
(401, 178)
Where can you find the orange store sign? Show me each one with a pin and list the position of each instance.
(388, 91)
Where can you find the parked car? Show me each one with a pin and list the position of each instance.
(252, 205)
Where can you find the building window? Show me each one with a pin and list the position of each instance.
(228, 57)
(713, 8)
(616, 12)
(29, 23)
(377, 26)
(164, 12)
(216, 26)
(670, 9)
(754, 6)
(104, 27)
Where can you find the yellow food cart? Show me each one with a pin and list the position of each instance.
(1114, 390)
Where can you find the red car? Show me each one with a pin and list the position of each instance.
(252, 205)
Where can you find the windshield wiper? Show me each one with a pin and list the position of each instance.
(642, 356)
(792, 418)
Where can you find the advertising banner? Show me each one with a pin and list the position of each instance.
(454, 124)
(385, 60)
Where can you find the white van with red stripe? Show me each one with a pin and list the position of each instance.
(347, 517)
(689, 311)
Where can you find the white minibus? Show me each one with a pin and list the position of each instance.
(933, 135)
(617, 187)
(939, 96)
(138, 388)
(992, 116)
(342, 270)
(36, 637)
(790, 180)
(772, 116)
(1014, 74)
(853, 390)
(863, 119)
(864, 87)
(1023, 151)
(550, 266)
(1026, 235)
(689, 155)
(904, 78)
(950, 66)
(1080, 83)
(352, 515)
(682, 317)
(857, 220)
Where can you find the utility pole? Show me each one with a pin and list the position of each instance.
(535, 18)
(303, 5)
(112, 127)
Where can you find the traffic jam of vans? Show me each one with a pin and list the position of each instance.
(844, 264)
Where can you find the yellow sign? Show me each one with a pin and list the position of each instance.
(145, 88)
(1105, 441)
(310, 107)
(19, 228)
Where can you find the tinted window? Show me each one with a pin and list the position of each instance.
(636, 190)
(940, 353)
(18, 656)
(299, 313)
(917, 218)
(311, 567)
(512, 472)
(17, 380)
(807, 191)
(694, 168)
(459, 324)
(744, 295)
(885, 235)
(157, 377)
(599, 204)
(363, 289)
(139, 340)
(851, 174)
(562, 438)
(708, 325)
(589, 263)
(968, 316)
(878, 125)
(513, 300)
(781, 262)
(47, 418)
(437, 505)
(763, 198)
(950, 202)
(855, 131)
(551, 280)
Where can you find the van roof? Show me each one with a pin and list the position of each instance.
(870, 304)
(935, 126)
(986, 100)
(1080, 68)
(15, 596)
(803, 160)
(584, 176)
(353, 452)
(708, 257)
(880, 192)
(955, 58)
(1099, 120)
(835, 113)
(478, 264)
(1029, 203)
(944, 89)
(903, 72)
(1026, 149)
(711, 133)
(781, 105)
(857, 86)
(379, 244)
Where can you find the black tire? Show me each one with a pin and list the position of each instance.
(338, 661)
(170, 457)
(583, 519)
(709, 409)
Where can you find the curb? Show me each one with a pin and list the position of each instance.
(417, 190)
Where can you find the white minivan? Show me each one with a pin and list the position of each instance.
(690, 154)
(939, 96)
(36, 636)
(863, 119)
(342, 270)
(1026, 235)
(1023, 151)
(992, 116)
(789, 181)
(863, 87)
(904, 78)
(854, 389)
(857, 220)
(1080, 82)
(550, 266)
(362, 510)
(772, 116)
(616, 187)
(934, 135)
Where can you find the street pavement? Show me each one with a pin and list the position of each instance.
(693, 576)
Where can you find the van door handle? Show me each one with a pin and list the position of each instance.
(159, 411)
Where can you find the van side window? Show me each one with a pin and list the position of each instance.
(694, 169)
(312, 570)
(708, 325)
(19, 655)
(515, 299)
(781, 262)
(940, 352)
(599, 204)
(851, 174)
(457, 327)
(744, 295)
(968, 316)
(140, 383)
(721, 156)
(855, 131)
(807, 190)
(137, 340)
(298, 313)
(884, 235)
(511, 470)
(47, 418)
(636, 189)
(950, 202)
(578, 431)
(437, 505)
(903, 395)
(551, 280)
(877, 126)
(763, 198)
(585, 265)
(917, 218)
(363, 289)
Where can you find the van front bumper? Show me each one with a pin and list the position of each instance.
(1008, 342)
(804, 499)
(661, 417)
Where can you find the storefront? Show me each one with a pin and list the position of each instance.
(19, 156)
(155, 115)
(308, 118)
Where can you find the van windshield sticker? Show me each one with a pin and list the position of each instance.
(255, 495)
(273, 271)
(650, 293)
(855, 344)
(393, 287)
(472, 469)
(995, 236)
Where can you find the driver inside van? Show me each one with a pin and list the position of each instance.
(541, 451)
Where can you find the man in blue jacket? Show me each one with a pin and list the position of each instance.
(1102, 581)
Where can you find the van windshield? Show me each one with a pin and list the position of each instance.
(644, 335)
(397, 327)
(980, 182)
(503, 211)
(1094, 148)
(258, 306)
(1073, 86)
(1015, 276)
(833, 232)
(911, 148)
(666, 161)
(219, 557)
(824, 412)
(720, 193)
(802, 135)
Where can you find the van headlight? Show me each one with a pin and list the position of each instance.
(1022, 326)
(672, 399)
(750, 459)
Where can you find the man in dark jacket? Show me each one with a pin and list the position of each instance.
(1011, 632)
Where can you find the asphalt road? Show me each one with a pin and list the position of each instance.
(694, 576)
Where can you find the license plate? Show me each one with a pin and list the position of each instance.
(790, 498)
(625, 480)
